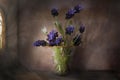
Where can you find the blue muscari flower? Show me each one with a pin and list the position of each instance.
(40, 43)
(58, 40)
(78, 8)
(54, 12)
(36, 43)
(70, 13)
(82, 28)
(52, 43)
(69, 29)
(52, 35)
(77, 40)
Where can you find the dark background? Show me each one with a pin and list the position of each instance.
(25, 19)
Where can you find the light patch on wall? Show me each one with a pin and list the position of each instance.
(0, 30)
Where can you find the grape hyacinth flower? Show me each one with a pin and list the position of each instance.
(77, 40)
(69, 29)
(58, 41)
(54, 12)
(70, 13)
(40, 43)
(82, 28)
(53, 39)
(78, 8)
(52, 35)
(52, 43)
(37, 43)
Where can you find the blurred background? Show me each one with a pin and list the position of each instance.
(24, 20)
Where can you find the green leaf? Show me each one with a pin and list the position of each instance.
(59, 28)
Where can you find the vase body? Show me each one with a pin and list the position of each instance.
(61, 59)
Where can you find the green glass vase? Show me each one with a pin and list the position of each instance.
(61, 59)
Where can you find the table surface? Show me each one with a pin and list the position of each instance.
(40, 75)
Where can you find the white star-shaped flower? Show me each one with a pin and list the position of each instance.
(44, 30)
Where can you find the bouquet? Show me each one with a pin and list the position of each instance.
(63, 38)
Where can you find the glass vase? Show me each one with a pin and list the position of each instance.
(62, 59)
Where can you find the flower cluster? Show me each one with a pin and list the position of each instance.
(60, 38)
(70, 13)
(53, 38)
